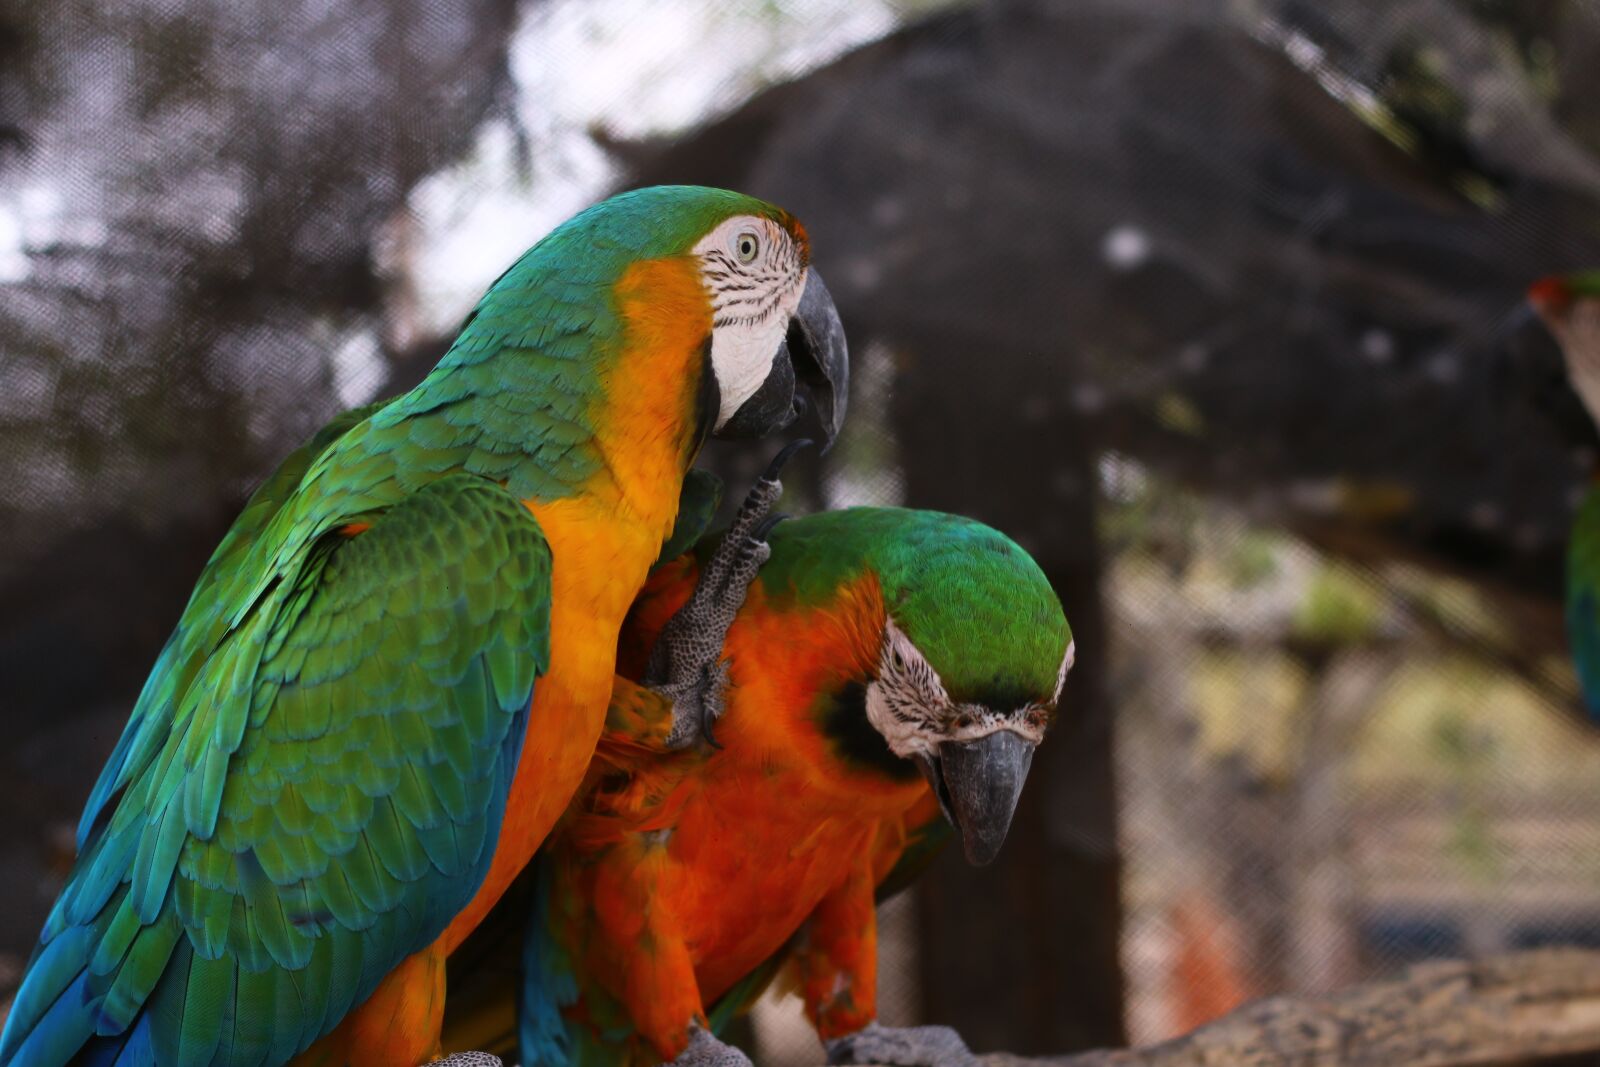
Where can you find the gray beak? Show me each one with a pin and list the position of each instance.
(978, 783)
(820, 356)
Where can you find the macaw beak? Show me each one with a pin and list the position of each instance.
(978, 783)
(813, 353)
(821, 359)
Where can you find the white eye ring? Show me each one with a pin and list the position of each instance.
(746, 246)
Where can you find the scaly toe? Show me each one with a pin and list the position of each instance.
(468, 1059)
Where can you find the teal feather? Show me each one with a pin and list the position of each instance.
(59, 964)
(373, 887)
(115, 940)
(549, 981)
(55, 1035)
(335, 892)
(345, 949)
(198, 1019)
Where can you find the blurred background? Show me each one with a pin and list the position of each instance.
(1212, 304)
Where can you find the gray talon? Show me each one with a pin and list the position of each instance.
(706, 1051)
(468, 1059)
(686, 665)
(785, 454)
(911, 1046)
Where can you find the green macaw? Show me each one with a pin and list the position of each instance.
(1570, 307)
(392, 673)
(887, 665)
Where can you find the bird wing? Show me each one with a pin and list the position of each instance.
(295, 810)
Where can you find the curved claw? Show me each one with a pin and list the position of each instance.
(706, 719)
(766, 525)
(710, 702)
(782, 458)
(762, 495)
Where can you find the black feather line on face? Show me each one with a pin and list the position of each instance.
(910, 689)
(758, 288)
(842, 719)
(1008, 696)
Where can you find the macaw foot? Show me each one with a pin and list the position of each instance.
(686, 666)
(468, 1059)
(910, 1046)
(706, 1051)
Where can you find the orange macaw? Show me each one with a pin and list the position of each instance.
(886, 665)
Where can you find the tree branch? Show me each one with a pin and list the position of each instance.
(1516, 1008)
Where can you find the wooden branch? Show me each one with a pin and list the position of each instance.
(1507, 1009)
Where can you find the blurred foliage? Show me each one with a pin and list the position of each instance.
(1341, 606)
(1526, 26)
(1428, 117)
(1247, 705)
(1252, 559)
(1467, 754)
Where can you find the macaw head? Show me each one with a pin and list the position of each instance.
(677, 268)
(968, 662)
(1569, 306)
(773, 325)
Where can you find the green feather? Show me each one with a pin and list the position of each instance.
(144, 964)
(210, 999)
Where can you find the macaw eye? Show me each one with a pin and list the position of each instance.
(746, 246)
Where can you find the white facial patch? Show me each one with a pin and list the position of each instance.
(909, 706)
(903, 704)
(1066, 665)
(753, 271)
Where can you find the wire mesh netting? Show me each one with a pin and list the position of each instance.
(1213, 306)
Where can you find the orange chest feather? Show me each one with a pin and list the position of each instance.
(747, 840)
(648, 431)
(603, 539)
(747, 863)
